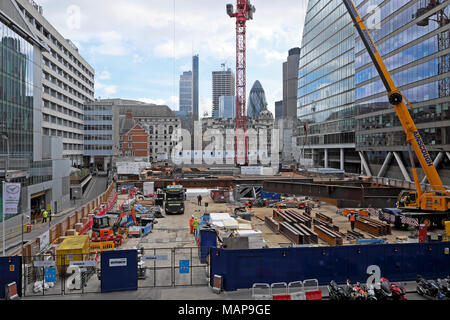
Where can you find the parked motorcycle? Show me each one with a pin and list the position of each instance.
(444, 285)
(398, 292)
(369, 292)
(337, 293)
(384, 292)
(429, 288)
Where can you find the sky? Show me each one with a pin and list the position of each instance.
(130, 44)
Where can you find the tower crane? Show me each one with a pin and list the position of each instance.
(425, 207)
(244, 11)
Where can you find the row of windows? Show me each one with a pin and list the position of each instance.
(97, 118)
(393, 43)
(98, 137)
(62, 134)
(64, 98)
(62, 122)
(338, 138)
(326, 66)
(425, 114)
(72, 146)
(66, 111)
(430, 136)
(419, 72)
(414, 53)
(97, 108)
(70, 79)
(334, 101)
(98, 147)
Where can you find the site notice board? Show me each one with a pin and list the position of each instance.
(119, 271)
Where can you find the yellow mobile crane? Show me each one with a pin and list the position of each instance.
(429, 208)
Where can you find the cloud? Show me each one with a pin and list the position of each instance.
(104, 75)
(103, 90)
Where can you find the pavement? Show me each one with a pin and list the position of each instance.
(97, 186)
(203, 293)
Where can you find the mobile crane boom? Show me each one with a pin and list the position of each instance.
(396, 98)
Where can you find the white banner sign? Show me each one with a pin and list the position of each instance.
(89, 263)
(42, 264)
(44, 240)
(118, 262)
(153, 258)
(11, 197)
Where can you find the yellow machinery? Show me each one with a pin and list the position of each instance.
(95, 247)
(429, 208)
(75, 248)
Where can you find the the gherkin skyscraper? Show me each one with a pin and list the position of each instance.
(257, 100)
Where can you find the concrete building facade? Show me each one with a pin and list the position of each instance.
(67, 80)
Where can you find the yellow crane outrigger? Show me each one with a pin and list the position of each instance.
(429, 208)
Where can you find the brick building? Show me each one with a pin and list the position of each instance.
(134, 140)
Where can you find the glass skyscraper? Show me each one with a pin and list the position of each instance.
(256, 100)
(16, 94)
(195, 86)
(416, 52)
(326, 94)
(186, 90)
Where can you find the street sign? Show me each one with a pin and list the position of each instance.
(50, 275)
(184, 266)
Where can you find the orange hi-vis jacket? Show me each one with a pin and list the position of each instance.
(352, 217)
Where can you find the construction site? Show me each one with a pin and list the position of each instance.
(287, 232)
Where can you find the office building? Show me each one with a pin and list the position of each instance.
(279, 110)
(134, 140)
(195, 86)
(290, 83)
(416, 52)
(227, 107)
(186, 92)
(67, 83)
(256, 100)
(31, 159)
(101, 117)
(326, 95)
(223, 84)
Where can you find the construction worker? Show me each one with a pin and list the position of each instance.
(191, 224)
(44, 216)
(196, 224)
(199, 198)
(352, 218)
(249, 205)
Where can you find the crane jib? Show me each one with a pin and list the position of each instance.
(423, 149)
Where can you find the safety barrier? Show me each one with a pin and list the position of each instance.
(240, 269)
(101, 246)
(297, 290)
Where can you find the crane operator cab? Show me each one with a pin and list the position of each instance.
(407, 199)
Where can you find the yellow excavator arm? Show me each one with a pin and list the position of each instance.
(397, 100)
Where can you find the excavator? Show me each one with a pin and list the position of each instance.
(103, 231)
(430, 208)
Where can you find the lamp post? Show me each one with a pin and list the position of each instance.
(5, 137)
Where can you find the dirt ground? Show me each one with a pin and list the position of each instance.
(172, 231)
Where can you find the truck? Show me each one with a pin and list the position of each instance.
(413, 207)
(175, 195)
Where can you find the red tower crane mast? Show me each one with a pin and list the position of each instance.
(244, 11)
